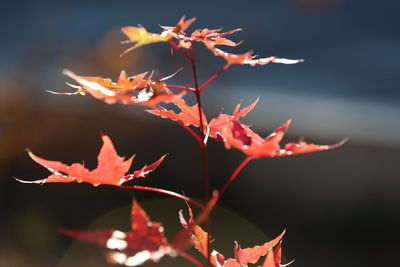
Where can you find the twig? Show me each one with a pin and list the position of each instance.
(233, 176)
(165, 192)
(212, 78)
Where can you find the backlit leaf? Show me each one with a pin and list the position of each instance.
(248, 58)
(242, 256)
(139, 36)
(146, 242)
(148, 92)
(111, 169)
(189, 115)
(213, 37)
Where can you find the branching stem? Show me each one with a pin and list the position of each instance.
(212, 78)
(177, 48)
(193, 133)
(204, 156)
(192, 259)
(182, 88)
(233, 176)
(202, 134)
(165, 192)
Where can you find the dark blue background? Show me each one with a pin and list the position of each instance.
(341, 207)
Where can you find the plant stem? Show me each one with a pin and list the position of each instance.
(212, 78)
(182, 88)
(174, 45)
(165, 192)
(193, 133)
(202, 135)
(191, 259)
(204, 156)
(233, 176)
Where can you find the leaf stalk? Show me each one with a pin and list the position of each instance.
(165, 192)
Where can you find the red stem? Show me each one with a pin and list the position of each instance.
(174, 45)
(193, 133)
(191, 259)
(233, 176)
(212, 78)
(202, 135)
(204, 156)
(182, 88)
(165, 192)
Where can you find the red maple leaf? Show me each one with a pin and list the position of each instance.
(274, 257)
(235, 134)
(111, 169)
(189, 115)
(242, 256)
(222, 120)
(248, 58)
(213, 37)
(146, 241)
(149, 93)
(179, 28)
(139, 36)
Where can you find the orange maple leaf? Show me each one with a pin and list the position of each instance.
(274, 257)
(242, 256)
(140, 36)
(189, 115)
(146, 242)
(248, 58)
(111, 169)
(235, 134)
(213, 37)
(149, 93)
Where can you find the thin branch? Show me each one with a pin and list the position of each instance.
(204, 156)
(233, 176)
(174, 45)
(191, 259)
(193, 133)
(165, 192)
(202, 134)
(212, 78)
(182, 88)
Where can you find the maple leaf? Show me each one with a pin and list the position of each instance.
(189, 115)
(150, 93)
(222, 120)
(273, 258)
(248, 58)
(178, 32)
(180, 27)
(111, 169)
(302, 147)
(235, 134)
(213, 37)
(183, 239)
(146, 241)
(140, 36)
(242, 256)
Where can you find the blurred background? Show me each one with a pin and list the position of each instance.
(340, 207)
